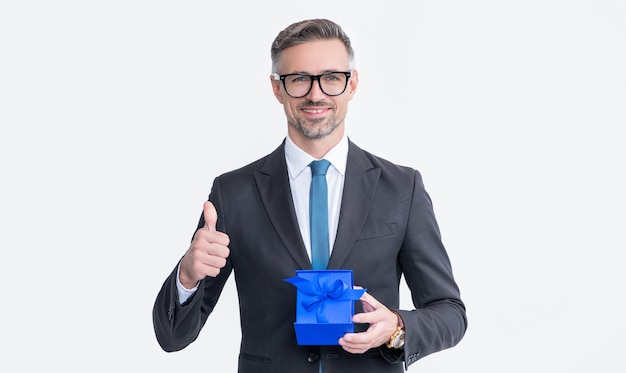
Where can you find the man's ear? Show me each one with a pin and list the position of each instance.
(278, 93)
(353, 83)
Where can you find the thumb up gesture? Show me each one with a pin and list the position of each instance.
(207, 253)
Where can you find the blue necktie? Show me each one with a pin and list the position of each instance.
(318, 214)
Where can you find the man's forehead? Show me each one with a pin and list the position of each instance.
(315, 57)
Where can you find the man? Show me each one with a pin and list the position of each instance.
(256, 223)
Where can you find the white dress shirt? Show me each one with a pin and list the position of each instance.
(300, 181)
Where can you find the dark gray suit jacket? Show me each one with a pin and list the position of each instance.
(386, 228)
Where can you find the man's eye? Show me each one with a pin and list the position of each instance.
(332, 78)
(300, 79)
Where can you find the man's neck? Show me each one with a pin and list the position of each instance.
(317, 148)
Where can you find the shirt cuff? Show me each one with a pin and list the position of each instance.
(183, 292)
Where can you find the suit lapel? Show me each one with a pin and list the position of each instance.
(358, 192)
(273, 184)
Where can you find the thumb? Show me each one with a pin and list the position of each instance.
(210, 216)
(369, 303)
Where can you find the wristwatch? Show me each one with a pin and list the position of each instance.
(397, 338)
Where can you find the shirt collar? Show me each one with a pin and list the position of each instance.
(298, 160)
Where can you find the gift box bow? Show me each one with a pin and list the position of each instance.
(315, 294)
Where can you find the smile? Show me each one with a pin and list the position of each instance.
(314, 111)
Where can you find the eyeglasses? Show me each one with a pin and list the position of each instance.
(331, 83)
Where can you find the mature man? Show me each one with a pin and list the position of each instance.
(256, 223)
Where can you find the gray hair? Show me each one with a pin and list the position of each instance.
(307, 31)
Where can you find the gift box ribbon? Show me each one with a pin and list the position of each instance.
(317, 293)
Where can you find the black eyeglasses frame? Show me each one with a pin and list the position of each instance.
(282, 78)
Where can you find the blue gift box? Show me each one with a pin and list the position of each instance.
(324, 305)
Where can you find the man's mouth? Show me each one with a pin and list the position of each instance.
(314, 111)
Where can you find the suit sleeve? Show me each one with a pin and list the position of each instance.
(177, 325)
(439, 320)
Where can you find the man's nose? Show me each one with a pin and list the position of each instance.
(316, 93)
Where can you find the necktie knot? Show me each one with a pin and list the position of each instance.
(319, 167)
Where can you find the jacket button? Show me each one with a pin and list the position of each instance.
(313, 358)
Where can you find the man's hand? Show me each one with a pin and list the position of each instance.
(207, 253)
(382, 325)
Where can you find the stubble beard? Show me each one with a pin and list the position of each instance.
(315, 128)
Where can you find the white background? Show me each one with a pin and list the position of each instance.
(117, 115)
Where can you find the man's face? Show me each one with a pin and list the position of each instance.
(315, 115)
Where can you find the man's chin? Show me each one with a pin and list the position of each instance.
(318, 133)
(314, 128)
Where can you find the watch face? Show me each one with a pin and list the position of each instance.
(399, 340)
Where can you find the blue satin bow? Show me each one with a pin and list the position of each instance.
(317, 293)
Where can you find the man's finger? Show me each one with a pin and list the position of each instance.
(370, 303)
(367, 298)
(210, 216)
